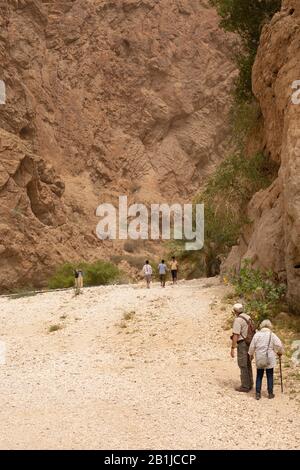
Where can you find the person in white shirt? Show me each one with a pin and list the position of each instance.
(147, 271)
(78, 274)
(265, 345)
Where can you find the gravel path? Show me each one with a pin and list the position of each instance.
(160, 378)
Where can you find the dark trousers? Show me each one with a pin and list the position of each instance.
(259, 377)
(162, 279)
(244, 364)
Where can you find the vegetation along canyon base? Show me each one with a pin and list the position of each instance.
(150, 227)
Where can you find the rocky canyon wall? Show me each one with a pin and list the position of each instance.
(103, 98)
(272, 240)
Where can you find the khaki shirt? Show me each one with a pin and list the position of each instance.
(240, 326)
(174, 265)
(147, 270)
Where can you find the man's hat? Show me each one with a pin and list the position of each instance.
(238, 308)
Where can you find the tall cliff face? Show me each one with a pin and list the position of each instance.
(273, 238)
(103, 98)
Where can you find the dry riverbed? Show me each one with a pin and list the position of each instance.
(130, 368)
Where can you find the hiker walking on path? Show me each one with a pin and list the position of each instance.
(242, 333)
(174, 269)
(78, 274)
(147, 271)
(80, 278)
(265, 345)
(162, 271)
(76, 281)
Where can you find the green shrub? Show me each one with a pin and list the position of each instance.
(225, 199)
(246, 18)
(95, 274)
(246, 119)
(262, 293)
(243, 83)
(63, 278)
(237, 179)
(100, 273)
(239, 176)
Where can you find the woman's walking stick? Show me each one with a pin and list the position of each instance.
(280, 374)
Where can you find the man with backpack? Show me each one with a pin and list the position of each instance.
(242, 333)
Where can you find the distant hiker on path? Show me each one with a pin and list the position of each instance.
(78, 274)
(174, 269)
(162, 271)
(242, 333)
(76, 284)
(265, 345)
(147, 270)
(80, 278)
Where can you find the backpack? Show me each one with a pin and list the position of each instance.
(251, 330)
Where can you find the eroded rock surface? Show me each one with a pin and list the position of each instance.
(111, 97)
(273, 239)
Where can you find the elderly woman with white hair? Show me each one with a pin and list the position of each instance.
(265, 345)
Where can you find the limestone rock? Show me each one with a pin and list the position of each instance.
(111, 97)
(273, 239)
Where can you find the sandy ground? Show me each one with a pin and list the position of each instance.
(162, 379)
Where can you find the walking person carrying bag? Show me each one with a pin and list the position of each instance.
(265, 345)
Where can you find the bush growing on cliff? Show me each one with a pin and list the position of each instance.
(246, 18)
(225, 198)
(246, 121)
(95, 274)
(228, 192)
(240, 176)
(260, 290)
